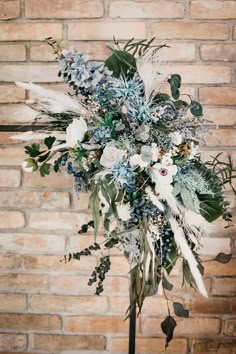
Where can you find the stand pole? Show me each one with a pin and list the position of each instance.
(132, 329)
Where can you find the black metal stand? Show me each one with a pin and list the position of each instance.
(132, 329)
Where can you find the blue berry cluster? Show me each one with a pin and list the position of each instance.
(81, 178)
(143, 208)
(163, 252)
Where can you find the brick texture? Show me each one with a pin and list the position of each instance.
(46, 305)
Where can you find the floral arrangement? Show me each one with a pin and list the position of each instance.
(135, 148)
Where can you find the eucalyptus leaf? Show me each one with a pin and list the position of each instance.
(94, 207)
(168, 326)
(187, 199)
(166, 284)
(179, 310)
(223, 258)
(196, 109)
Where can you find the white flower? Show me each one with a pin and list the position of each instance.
(111, 155)
(124, 211)
(29, 165)
(176, 138)
(162, 176)
(167, 159)
(155, 152)
(136, 160)
(75, 132)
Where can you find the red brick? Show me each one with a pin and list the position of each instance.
(11, 94)
(149, 345)
(95, 50)
(234, 32)
(80, 200)
(12, 341)
(26, 242)
(189, 326)
(218, 95)
(79, 284)
(213, 9)
(119, 265)
(221, 137)
(104, 324)
(230, 328)
(224, 286)
(42, 52)
(9, 261)
(66, 342)
(23, 281)
(152, 9)
(221, 116)
(57, 220)
(16, 113)
(211, 306)
(54, 180)
(53, 262)
(14, 52)
(12, 302)
(11, 219)
(106, 30)
(119, 304)
(10, 178)
(214, 346)
(219, 269)
(30, 322)
(189, 30)
(211, 246)
(24, 199)
(9, 9)
(29, 72)
(68, 303)
(204, 74)
(29, 31)
(64, 9)
(181, 52)
(218, 52)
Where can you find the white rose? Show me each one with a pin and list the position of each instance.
(124, 211)
(136, 160)
(75, 132)
(111, 155)
(167, 159)
(155, 152)
(29, 165)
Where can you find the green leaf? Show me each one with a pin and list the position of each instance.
(210, 206)
(223, 258)
(33, 150)
(168, 326)
(179, 104)
(166, 284)
(49, 141)
(44, 157)
(121, 63)
(161, 97)
(196, 109)
(94, 207)
(175, 83)
(45, 169)
(179, 310)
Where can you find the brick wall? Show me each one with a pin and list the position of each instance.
(45, 305)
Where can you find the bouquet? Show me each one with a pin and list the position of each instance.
(135, 148)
